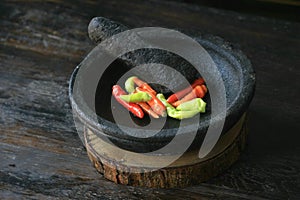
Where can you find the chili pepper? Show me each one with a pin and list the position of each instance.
(168, 106)
(136, 97)
(204, 88)
(129, 84)
(198, 91)
(173, 112)
(148, 109)
(156, 105)
(195, 104)
(132, 107)
(180, 114)
(143, 85)
(174, 97)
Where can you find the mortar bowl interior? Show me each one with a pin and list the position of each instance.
(239, 81)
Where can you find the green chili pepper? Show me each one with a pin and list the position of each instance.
(136, 97)
(162, 98)
(190, 109)
(129, 84)
(195, 104)
(180, 114)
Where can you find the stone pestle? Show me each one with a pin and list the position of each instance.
(101, 28)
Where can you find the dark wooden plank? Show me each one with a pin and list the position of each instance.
(41, 154)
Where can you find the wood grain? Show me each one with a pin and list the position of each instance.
(133, 169)
(41, 155)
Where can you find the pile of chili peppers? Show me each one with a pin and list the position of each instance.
(142, 98)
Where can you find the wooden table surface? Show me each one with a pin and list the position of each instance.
(41, 153)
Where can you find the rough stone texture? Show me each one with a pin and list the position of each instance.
(41, 154)
(101, 28)
(235, 70)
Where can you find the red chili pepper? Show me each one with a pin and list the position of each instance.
(144, 85)
(148, 109)
(156, 105)
(132, 107)
(204, 88)
(178, 95)
(199, 91)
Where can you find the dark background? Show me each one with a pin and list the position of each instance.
(279, 9)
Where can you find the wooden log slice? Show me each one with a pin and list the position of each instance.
(129, 168)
